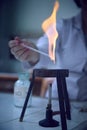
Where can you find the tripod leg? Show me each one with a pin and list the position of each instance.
(26, 100)
(61, 103)
(66, 98)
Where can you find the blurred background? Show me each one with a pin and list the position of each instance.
(24, 18)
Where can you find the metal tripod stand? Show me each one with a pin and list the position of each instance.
(63, 98)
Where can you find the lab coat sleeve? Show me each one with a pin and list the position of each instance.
(45, 61)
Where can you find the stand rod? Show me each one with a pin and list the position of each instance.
(26, 100)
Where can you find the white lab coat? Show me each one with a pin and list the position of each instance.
(71, 53)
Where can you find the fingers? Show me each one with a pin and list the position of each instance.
(12, 43)
(24, 56)
(17, 48)
(22, 53)
(17, 38)
(15, 45)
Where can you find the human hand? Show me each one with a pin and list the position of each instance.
(22, 53)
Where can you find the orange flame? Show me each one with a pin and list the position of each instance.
(49, 27)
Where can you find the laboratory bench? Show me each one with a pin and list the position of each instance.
(10, 114)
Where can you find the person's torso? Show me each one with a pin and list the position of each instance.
(71, 53)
